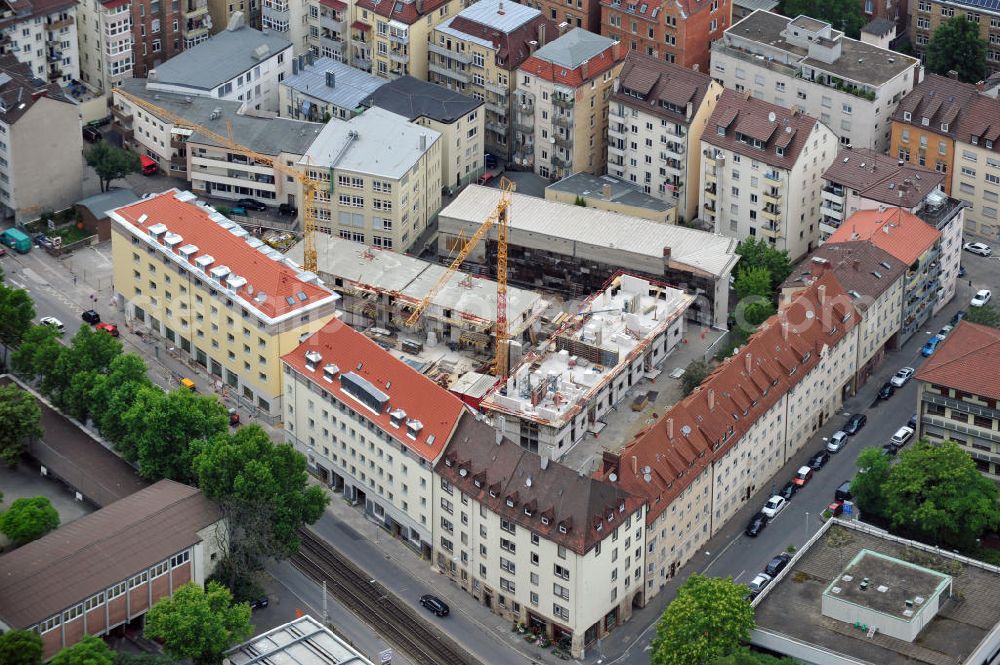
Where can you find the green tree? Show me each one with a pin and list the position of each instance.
(111, 395)
(753, 281)
(111, 162)
(986, 315)
(89, 356)
(709, 618)
(16, 312)
(756, 253)
(90, 650)
(199, 624)
(841, 14)
(752, 312)
(20, 421)
(866, 488)
(694, 375)
(21, 647)
(36, 357)
(956, 45)
(264, 492)
(161, 428)
(936, 494)
(28, 519)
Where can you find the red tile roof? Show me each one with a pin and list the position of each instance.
(334, 4)
(939, 99)
(981, 119)
(663, 460)
(512, 48)
(967, 360)
(361, 25)
(272, 287)
(902, 234)
(344, 352)
(398, 10)
(659, 82)
(589, 70)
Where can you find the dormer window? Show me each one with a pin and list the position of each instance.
(563, 527)
(975, 140)
(448, 462)
(907, 116)
(925, 121)
(779, 151)
(989, 144)
(599, 527)
(477, 482)
(621, 507)
(527, 511)
(545, 520)
(493, 493)
(806, 356)
(611, 516)
(510, 502)
(720, 130)
(463, 472)
(944, 126)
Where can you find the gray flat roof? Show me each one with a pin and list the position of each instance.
(487, 12)
(220, 58)
(574, 48)
(304, 641)
(100, 204)
(377, 142)
(266, 135)
(413, 98)
(756, 4)
(586, 184)
(352, 87)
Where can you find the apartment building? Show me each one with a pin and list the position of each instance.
(918, 246)
(676, 32)
(384, 176)
(43, 35)
(371, 427)
(222, 13)
(39, 128)
(109, 567)
(535, 541)
(584, 14)
(321, 89)
(975, 178)
(247, 66)
(567, 83)
(957, 394)
(851, 86)
(873, 278)
(107, 55)
(320, 27)
(478, 52)
(613, 194)
(401, 33)
(656, 117)
(699, 464)
(218, 295)
(213, 169)
(926, 16)
(761, 172)
(925, 124)
(553, 398)
(458, 118)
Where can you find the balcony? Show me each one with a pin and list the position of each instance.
(771, 212)
(772, 231)
(565, 142)
(562, 102)
(496, 108)
(523, 128)
(196, 34)
(710, 160)
(832, 210)
(773, 176)
(454, 55)
(710, 190)
(399, 38)
(331, 22)
(177, 143)
(616, 130)
(526, 108)
(449, 73)
(496, 127)
(773, 197)
(672, 164)
(559, 163)
(194, 12)
(673, 149)
(55, 74)
(709, 206)
(399, 55)
(618, 150)
(61, 23)
(360, 39)
(565, 121)
(362, 63)
(613, 115)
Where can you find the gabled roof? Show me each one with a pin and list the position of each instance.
(861, 267)
(342, 361)
(96, 551)
(506, 27)
(881, 178)
(655, 86)
(967, 360)
(413, 98)
(404, 11)
(902, 234)
(20, 90)
(574, 58)
(664, 459)
(980, 121)
(100, 204)
(566, 507)
(939, 99)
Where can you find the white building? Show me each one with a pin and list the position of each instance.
(106, 43)
(851, 86)
(619, 338)
(43, 35)
(761, 172)
(237, 64)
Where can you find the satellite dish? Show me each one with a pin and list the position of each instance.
(647, 477)
(527, 483)
(810, 314)
(771, 117)
(613, 477)
(686, 430)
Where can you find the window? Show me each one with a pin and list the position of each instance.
(560, 571)
(560, 591)
(560, 612)
(508, 545)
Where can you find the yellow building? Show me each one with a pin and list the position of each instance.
(399, 32)
(218, 295)
(926, 16)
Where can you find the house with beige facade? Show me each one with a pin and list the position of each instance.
(400, 34)
(975, 176)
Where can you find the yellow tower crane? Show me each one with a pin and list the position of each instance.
(309, 185)
(499, 216)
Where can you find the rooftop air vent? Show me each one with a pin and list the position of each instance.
(313, 358)
(413, 428)
(330, 371)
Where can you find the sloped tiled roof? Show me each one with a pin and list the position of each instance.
(20, 90)
(656, 81)
(493, 471)
(881, 178)
(574, 58)
(859, 266)
(939, 99)
(356, 356)
(400, 10)
(967, 360)
(664, 459)
(981, 119)
(895, 230)
(506, 29)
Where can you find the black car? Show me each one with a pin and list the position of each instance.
(855, 423)
(91, 317)
(843, 492)
(756, 525)
(777, 564)
(287, 210)
(912, 422)
(886, 391)
(251, 204)
(959, 315)
(434, 604)
(91, 134)
(889, 450)
(259, 603)
(788, 491)
(819, 460)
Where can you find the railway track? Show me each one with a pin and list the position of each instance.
(376, 605)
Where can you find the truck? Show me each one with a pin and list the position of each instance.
(16, 240)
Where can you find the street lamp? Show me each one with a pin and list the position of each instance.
(807, 526)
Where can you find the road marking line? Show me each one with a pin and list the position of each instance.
(724, 549)
(735, 579)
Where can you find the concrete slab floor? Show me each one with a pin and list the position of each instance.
(25, 481)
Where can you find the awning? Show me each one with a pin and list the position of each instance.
(147, 161)
(334, 4)
(361, 25)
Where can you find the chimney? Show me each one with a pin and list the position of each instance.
(857, 265)
(666, 253)
(749, 359)
(711, 399)
(545, 462)
(420, 7)
(606, 191)
(784, 330)
(635, 465)
(670, 428)
(695, 67)
(423, 141)
(532, 46)
(541, 33)
(500, 10)
(331, 79)
(953, 74)
(585, 70)
(821, 290)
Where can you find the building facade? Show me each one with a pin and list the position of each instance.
(926, 16)
(850, 86)
(107, 55)
(400, 33)
(222, 13)
(321, 89)
(957, 395)
(222, 298)
(761, 172)
(384, 176)
(656, 116)
(976, 173)
(42, 34)
(567, 82)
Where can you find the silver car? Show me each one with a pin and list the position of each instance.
(836, 442)
(902, 376)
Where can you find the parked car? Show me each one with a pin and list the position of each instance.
(959, 315)
(53, 322)
(287, 210)
(251, 204)
(819, 460)
(803, 475)
(788, 491)
(902, 376)
(901, 436)
(238, 210)
(756, 525)
(843, 493)
(912, 422)
(961, 271)
(778, 564)
(980, 248)
(943, 333)
(42, 240)
(836, 442)
(855, 423)
(109, 328)
(930, 347)
(91, 134)
(490, 160)
(774, 506)
(886, 391)
(259, 603)
(981, 298)
(91, 317)
(758, 583)
(485, 178)
(889, 450)
(836, 508)
(434, 604)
